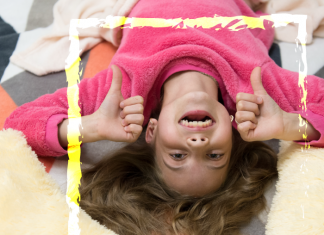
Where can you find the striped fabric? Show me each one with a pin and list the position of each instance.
(8, 41)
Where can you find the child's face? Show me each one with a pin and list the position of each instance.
(193, 161)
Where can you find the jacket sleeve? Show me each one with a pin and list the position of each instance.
(31, 118)
(282, 86)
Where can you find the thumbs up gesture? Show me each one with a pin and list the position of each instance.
(118, 119)
(258, 116)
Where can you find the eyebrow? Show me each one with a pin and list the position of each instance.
(180, 167)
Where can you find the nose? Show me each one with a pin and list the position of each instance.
(197, 141)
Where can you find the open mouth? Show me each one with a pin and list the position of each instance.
(197, 118)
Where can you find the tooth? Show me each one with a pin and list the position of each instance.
(204, 124)
(182, 122)
(200, 123)
(190, 124)
(186, 123)
(209, 122)
(195, 123)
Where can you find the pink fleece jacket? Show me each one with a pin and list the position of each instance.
(147, 56)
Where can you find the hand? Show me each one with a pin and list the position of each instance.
(118, 119)
(258, 116)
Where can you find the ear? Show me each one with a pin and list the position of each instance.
(150, 130)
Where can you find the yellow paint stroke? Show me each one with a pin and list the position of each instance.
(114, 22)
(204, 22)
(72, 73)
(74, 169)
(301, 83)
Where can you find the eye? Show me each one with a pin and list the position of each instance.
(177, 156)
(215, 156)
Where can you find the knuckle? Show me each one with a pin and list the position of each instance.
(238, 115)
(126, 102)
(125, 110)
(127, 119)
(238, 96)
(243, 136)
(242, 129)
(141, 119)
(140, 99)
(240, 105)
(138, 119)
(140, 108)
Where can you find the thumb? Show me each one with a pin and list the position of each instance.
(256, 82)
(117, 79)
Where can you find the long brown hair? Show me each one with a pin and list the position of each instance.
(126, 193)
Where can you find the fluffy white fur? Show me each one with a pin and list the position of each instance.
(30, 200)
(298, 205)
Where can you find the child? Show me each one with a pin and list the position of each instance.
(201, 162)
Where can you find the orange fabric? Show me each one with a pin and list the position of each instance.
(7, 105)
(99, 59)
(48, 162)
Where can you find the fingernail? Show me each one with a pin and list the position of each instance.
(259, 99)
(122, 104)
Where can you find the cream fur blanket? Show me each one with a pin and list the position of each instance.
(298, 205)
(32, 203)
(30, 200)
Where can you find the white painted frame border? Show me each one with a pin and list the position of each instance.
(73, 78)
